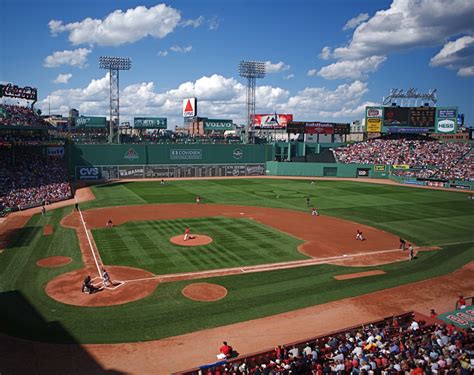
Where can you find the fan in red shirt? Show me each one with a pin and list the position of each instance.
(226, 349)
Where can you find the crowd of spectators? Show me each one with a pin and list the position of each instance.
(16, 115)
(412, 349)
(425, 158)
(28, 177)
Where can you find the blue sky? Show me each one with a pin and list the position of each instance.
(326, 59)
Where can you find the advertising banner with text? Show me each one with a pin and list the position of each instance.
(272, 121)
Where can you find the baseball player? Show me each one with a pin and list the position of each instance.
(186, 234)
(359, 235)
(314, 212)
(198, 199)
(106, 278)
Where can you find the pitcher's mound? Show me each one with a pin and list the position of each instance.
(206, 292)
(56, 261)
(193, 240)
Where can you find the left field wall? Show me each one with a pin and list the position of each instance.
(103, 162)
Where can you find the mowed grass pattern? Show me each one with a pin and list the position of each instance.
(236, 242)
(422, 216)
(425, 216)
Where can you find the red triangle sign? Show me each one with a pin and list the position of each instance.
(189, 107)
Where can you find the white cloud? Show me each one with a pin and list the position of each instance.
(219, 97)
(162, 53)
(325, 53)
(63, 78)
(457, 55)
(354, 69)
(318, 103)
(76, 58)
(121, 27)
(311, 72)
(356, 21)
(193, 23)
(275, 68)
(409, 24)
(289, 76)
(466, 72)
(179, 49)
(213, 23)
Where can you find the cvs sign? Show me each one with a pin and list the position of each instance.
(88, 173)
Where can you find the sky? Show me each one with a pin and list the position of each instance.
(325, 60)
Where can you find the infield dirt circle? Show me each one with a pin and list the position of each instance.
(193, 240)
(206, 292)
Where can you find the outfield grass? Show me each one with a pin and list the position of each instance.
(236, 242)
(424, 216)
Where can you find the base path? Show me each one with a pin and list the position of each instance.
(324, 236)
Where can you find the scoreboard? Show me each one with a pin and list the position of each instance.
(422, 116)
(410, 116)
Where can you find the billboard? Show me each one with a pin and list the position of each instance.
(373, 125)
(190, 107)
(446, 120)
(272, 121)
(396, 116)
(319, 128)
(218, 124)
(150, 122)
(446, 126)
(91, 122)
(295, 127)
(374, 112)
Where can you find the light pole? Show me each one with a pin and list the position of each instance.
(113, 65)
(251, 70)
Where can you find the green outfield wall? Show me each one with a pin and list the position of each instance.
(323, 170)
(99, 162)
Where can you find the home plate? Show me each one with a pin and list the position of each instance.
(241, 213)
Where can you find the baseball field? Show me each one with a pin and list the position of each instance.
(267, 253)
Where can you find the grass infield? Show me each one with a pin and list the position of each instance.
(424, 216)
(236, 242)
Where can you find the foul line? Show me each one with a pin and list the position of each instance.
(90, 242)
(261, 267)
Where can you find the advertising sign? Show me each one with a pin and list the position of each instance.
(447, 112)
(295, 127)
(216, 124)
(55, 151)
(379, 167)
(342, 128)
(396, 116)
(374, 112)
(272, 121)
(180, 154)
(150, 122)
(91, 122)
(319, 128)
(422, 116)
(446, 126)
(374, 125)
(408, 130)
(88, 173)
(127, 171)
(190, 107)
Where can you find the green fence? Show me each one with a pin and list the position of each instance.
(96, 162)
(323, 170)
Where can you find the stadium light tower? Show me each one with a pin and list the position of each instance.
(251, 70)
(113, 65)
